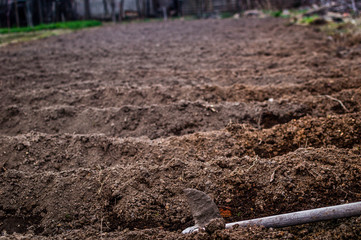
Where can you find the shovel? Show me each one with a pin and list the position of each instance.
(204, 210)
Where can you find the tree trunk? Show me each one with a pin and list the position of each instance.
(112, 5)
(269, 5)
(238, 5)
(199, 6)
(29, 15)
(87, 13)
(17, 14)
(53, 11)
(106, 11)
(354, 7)
(165, 16)
(121, 9)
(249, 6)
(138, 8)
(40, 10)
(144, 10)
(148, 8)
(229, 6)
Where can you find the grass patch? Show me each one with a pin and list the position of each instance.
(275, 14)
(342, 28)
(74, 25)
(225, 15)
(310, 19)
(6, 39)
(348, 34)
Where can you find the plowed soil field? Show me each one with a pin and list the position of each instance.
(102, 129)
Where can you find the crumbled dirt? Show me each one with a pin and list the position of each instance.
(101, 130)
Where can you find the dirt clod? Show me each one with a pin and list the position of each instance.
(215, 225)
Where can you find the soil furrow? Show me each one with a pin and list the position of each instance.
(129, 196)
(149, 95)
(152, 121)
(44, 152)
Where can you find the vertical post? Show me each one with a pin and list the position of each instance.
(40, 10)
(199, 8)
(144, 8)
(228, 3)
(354, 7)
(53, 11)
(72, 9)
(238, 6)
(138, 8)
(106, 11)
(249, 4)
(180, 8)
(269, 5)
(8, 13)
(62, 10)
(29, 16)
(17, 14)
(165, 13)
(148, 8)
(56, 11)
(112, 5)
(210, 6)
(87, 13)
(121, 10)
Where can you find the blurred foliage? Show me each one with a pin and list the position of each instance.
(226, 15)
(29, 36)
(345, 34)
(74, 25)
(309, 19)
(276, 14)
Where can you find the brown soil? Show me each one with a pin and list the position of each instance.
(102, 129)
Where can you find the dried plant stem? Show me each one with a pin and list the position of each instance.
(335, 99)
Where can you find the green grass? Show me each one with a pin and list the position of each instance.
(275, 14)
(51, 26)
(6, 39)
(225, 15)
(310, 19)
(342, 28)
(348, 34)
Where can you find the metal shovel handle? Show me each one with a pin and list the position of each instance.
(301, 217)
